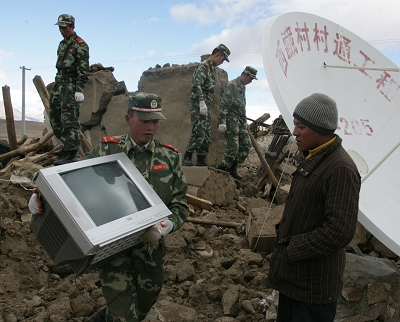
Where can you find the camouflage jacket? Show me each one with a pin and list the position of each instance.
(159, 164)
(203, 80)
(73, 61)
(233, 100)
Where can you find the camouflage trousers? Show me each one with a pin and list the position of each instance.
(132, 282)
(237, 139)
(64, 114)
(200, 139)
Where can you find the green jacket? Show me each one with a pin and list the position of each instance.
(203, 80)
(73, 61)
(159, 164)
(233, 100)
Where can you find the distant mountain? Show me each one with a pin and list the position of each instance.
(18, 116)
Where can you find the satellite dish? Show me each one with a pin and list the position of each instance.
(305, 54)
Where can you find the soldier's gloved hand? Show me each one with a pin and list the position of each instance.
(203, 108)
(79, 97)
(35, 205)
(222, 128)
(166, 227)
(153, 234)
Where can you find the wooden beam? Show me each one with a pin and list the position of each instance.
(43, 92)
(198, 202)
(262, 159)
(214, 222)
(26, 149)
(8, 109)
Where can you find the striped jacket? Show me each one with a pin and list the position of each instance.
(318, 222)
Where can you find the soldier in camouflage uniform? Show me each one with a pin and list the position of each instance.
(203, 85)
(232, 121)
(131, 283)
(67, 94)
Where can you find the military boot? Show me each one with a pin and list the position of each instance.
(201, 161)
(187, 159)
(233, 171)
(99, 316)
(59, 153)
(70, 156)
(223, 167)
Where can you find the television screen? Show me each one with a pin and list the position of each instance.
(115, 194)
(93, 210)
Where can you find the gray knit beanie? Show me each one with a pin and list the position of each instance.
(319, 112)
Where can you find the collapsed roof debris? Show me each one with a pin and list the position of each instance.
(218, 262)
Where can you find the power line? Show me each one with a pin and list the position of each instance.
(144, 59)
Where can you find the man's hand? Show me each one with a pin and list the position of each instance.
(153, 234)
(35, 205)
(222, 128)
(203, 108)
(79, 97)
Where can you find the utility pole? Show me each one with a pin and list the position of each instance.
(23, 98)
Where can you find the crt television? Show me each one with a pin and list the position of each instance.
(93, 210)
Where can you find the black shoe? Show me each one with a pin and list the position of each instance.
(233, 172)
(187, 159)
(201, 161)
(59, 152)
(236, 175)
(99, 316)
(223, 168)
(70, 156)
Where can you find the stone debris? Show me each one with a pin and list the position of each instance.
(212, 272)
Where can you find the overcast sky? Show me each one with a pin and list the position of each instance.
(135, 35)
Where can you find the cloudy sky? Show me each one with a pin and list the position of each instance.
(132, 36)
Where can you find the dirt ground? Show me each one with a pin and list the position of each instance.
(211, 274)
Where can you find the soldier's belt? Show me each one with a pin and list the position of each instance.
(64, 73)
(207, 92)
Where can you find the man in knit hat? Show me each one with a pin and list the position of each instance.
(319, 219)
(232, 120)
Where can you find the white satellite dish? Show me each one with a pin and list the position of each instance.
(305, 54)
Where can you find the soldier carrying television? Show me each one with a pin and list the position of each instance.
(132, 282)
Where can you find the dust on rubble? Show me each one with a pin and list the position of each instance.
(204, 263)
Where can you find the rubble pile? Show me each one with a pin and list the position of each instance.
(217, 263)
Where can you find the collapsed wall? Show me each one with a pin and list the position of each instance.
(103, 111)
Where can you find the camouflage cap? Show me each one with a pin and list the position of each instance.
(146, 105)
(251, 71)
(65, 20)
(225, 50)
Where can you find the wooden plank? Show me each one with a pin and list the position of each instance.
(214, 222)
(198, 202)
(8, 109)
(262, 159)
(29, 148)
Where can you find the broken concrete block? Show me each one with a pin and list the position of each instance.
(260, 227)
(99, 89)
(96, 133)
(282, 193)
(121, 88)
(113, 119)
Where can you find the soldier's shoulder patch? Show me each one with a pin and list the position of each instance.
(234, 83)
(169, 146)
(80, 40)
(111, 139)
(206, 63)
